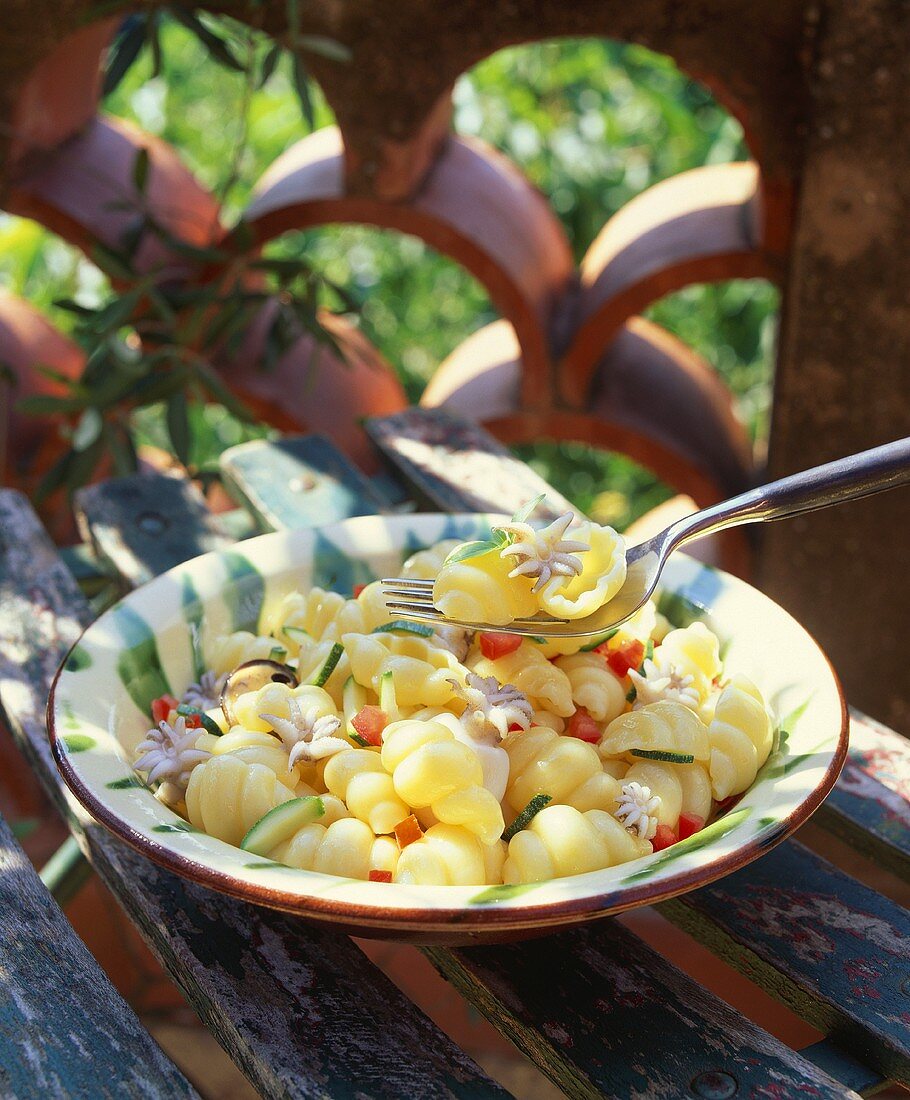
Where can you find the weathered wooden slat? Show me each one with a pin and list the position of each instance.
(843, 1067)
(457, 466)
(870, 805)
(64, 1029)
(131, 514)
(300, 1009)
(604, 1015)
(830, 948)
(297, 481)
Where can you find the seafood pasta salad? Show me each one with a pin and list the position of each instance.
(340, 740)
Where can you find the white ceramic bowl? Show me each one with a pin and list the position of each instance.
(149, 643)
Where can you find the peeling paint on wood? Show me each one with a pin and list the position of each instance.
(129, 514)
(603, 1015)
(870, 805)
(457, 466)
(65, 1030)
(297, 481)
(835, 951)
(301, 1010)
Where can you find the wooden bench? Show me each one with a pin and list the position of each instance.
(302, 1011)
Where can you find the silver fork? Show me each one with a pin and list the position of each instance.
(858, 475)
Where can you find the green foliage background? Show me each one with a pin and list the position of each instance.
(591, 122)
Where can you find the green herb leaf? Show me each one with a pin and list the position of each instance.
(469, 550)
(523, 513)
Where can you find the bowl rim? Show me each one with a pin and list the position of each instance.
(376, 917)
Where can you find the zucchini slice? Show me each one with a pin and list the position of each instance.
(322, 674)
(281, 823)
(663, 756)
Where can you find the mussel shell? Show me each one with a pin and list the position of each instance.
(251, 676)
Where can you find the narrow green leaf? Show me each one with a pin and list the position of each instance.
(124, 52)
(178, 427)
(302, 87)
(269, 64)
(469, 550)
(141, 170)
(523, 513)
(48, 404)
(88, 429)
(217, 48)
(330, 48)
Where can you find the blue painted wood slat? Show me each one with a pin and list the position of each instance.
(65, 1030)
(832, 949)
(870, 806)
(297, 481)
(455, 465)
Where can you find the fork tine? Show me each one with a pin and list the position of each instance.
(417, 611)
(415, 583)
(404, 593)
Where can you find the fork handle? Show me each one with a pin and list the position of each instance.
(850, 478)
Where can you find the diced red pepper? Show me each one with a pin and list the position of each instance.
(583, 726)
(358, 588)
(407, 831)
(516, 728)
(162, 707)
(369, 722)
(494, 645)
(380, 876)
(689, 824)
(663, 838)
(193, 721)
(628, 655)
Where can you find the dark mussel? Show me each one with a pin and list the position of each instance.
(251, 676)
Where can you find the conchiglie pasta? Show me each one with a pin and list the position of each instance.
(358, 777)
(602, 575)
(566, 769)
(446, 855)
(740, 735)
(347, 847)
(594, 685)
(425, 564)
(226, 796)
(479, 590)
(421, 672)
(563, 841)
(430, 768)
(546, 686)
(657, 727)
(226, 651)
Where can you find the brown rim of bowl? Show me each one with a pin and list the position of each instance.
(552, 914)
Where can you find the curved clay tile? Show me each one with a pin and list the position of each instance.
(647, 383)
(474, 206)
(698, 226)
(76, 189)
